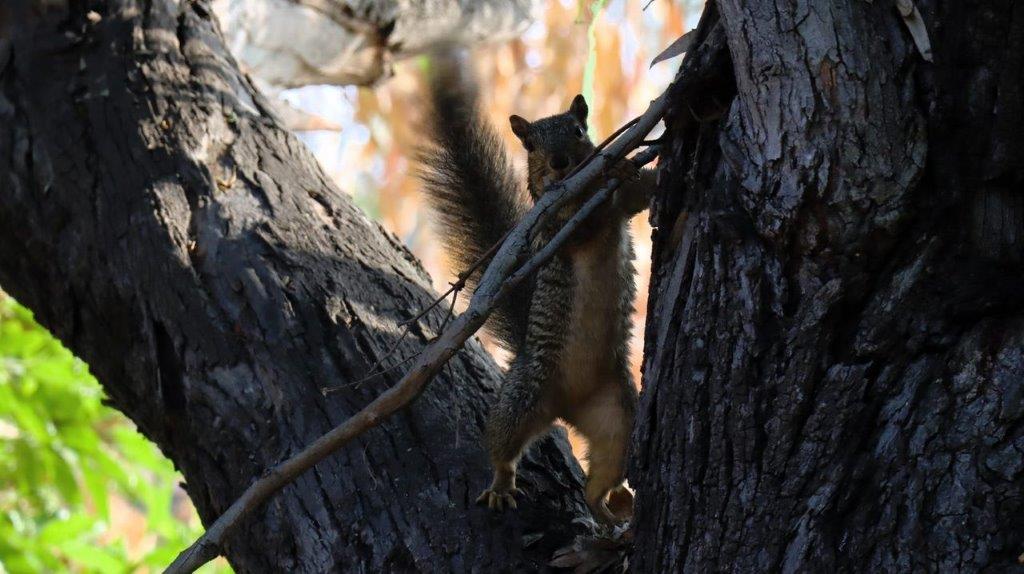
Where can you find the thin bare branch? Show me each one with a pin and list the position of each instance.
(453, 290)
(496, 282)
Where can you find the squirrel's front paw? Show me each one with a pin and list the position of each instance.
(499, 498)
(626, 170)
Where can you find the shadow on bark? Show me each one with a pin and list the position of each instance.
(159, 221)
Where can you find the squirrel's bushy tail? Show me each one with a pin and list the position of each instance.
(471, 185)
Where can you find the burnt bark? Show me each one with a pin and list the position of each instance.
(834, 360)
(159, 221)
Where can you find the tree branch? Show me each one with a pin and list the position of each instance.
(290, 43)
(496, 282)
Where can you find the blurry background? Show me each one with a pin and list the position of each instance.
(80, 490)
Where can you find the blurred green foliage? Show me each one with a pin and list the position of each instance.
(590, 69)
(66, 459)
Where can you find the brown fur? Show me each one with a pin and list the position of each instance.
(573, 367)
(571, 362)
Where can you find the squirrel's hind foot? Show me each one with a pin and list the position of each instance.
(499, 499)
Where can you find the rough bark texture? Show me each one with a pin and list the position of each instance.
(157, 219)
(834, 370)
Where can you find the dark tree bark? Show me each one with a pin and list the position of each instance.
(834, 364)
(159, 221)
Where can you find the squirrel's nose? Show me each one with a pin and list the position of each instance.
(559, 161)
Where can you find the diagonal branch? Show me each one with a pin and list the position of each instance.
(498, 280)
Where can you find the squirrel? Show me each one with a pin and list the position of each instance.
(569, 329)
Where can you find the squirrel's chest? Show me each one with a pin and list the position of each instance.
(602, 295)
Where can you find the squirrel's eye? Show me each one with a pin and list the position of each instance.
(580, 133)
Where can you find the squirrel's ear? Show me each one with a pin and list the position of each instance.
(578, 109)
(520, 127)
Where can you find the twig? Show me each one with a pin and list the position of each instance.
(451, 312)
(453, 290)
(330, 390)
(496, 282)
(460, 282)
(373, 370)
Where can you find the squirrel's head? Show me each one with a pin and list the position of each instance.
(554, 145)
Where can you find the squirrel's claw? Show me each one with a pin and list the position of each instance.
(499, 499)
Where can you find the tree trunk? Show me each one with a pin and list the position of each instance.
(159, 221)
(834, 361)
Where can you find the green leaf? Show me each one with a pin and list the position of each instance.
(92, 557)
(64, 457)
(112, 469)
(21, 564)
(137, 449)
(59, 531)
(590, 69)
(64, 479)
(96, 483)
(28, 421)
